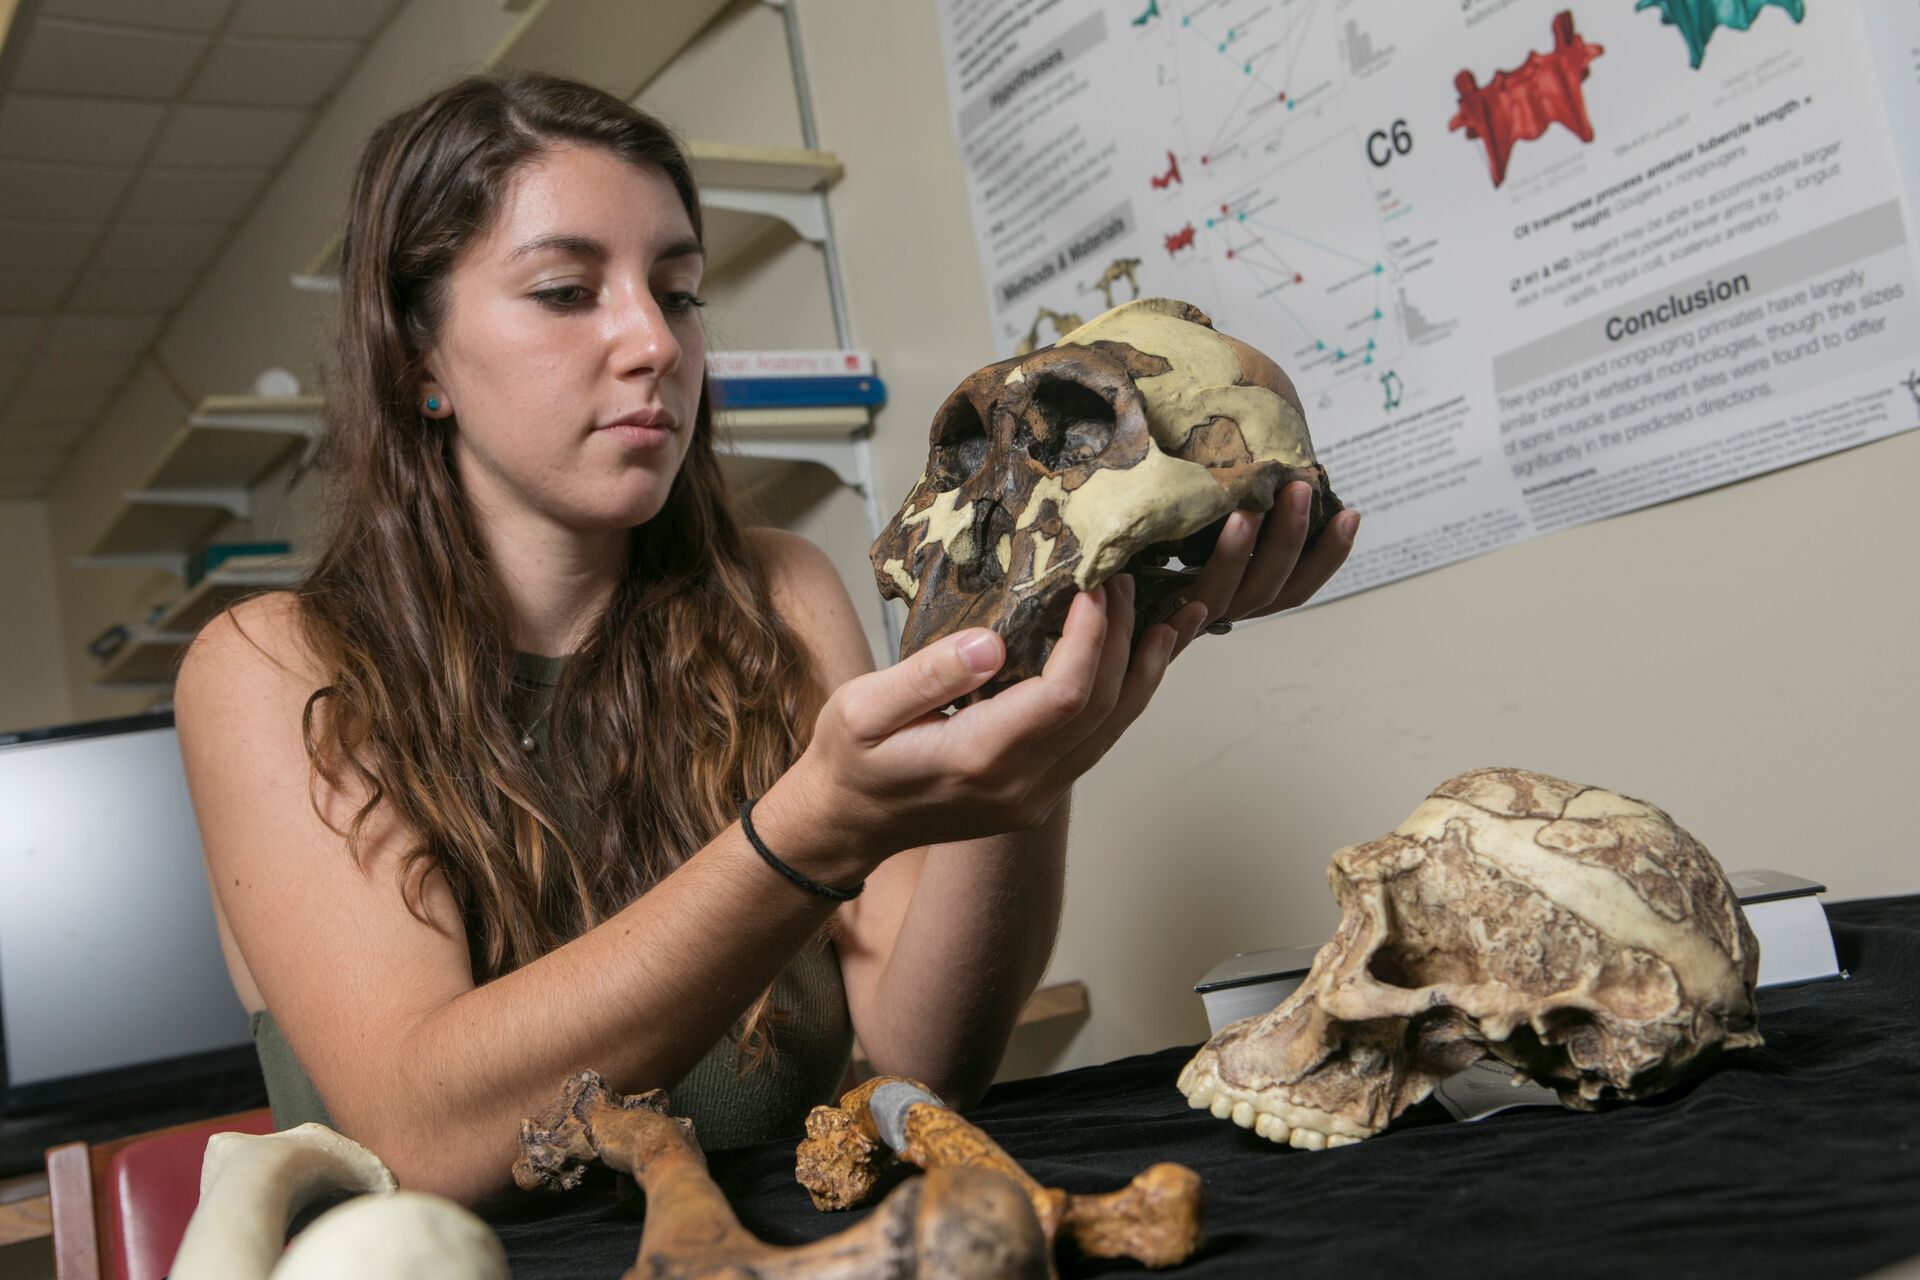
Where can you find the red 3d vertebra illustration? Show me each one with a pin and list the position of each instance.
(1518, 105)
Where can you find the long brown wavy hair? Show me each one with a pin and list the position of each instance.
(688, 694)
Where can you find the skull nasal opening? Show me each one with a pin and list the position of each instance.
(991, 527)
(1065, 424)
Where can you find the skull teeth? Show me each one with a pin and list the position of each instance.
(1277, 1121)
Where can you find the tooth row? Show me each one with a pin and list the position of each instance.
(1203, 1094)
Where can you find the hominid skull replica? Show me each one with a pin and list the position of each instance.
(1577, 935)
(1120, 447)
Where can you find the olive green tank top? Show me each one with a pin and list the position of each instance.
(814, 1037)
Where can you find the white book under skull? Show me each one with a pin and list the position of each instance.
(1784, 911)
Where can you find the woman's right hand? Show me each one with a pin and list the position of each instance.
(886, 770)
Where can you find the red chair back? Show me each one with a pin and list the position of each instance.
(131, 1199)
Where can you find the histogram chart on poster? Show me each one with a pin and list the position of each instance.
(1529, 263)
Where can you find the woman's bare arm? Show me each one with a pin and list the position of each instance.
(943, 949)
(434, 1074)
(431, 1072)
(948, 943)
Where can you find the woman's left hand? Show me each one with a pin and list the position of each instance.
(1260, 566)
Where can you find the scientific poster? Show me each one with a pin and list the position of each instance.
(1529, 263)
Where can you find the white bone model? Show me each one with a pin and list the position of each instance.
(252, 1186)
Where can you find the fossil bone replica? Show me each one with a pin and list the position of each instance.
(1121, 447)
(1580, 936)
(962, 1223)
(252, 1186)
(1155, 1219)
(405, 1236)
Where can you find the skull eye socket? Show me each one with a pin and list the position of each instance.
(959, 446)
(1387, 968)
(1066, 424)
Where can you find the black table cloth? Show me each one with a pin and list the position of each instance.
(1801, 1158)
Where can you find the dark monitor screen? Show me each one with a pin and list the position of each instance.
(111, 978)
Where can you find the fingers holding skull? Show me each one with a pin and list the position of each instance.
(1079, 688)
(1317, 564)
(1262, 564)
(1283, 535)
(1129, 674)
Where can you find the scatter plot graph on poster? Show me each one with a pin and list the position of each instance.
(1298, 259)
(1243, 70)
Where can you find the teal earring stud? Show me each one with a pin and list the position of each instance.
(433, 404)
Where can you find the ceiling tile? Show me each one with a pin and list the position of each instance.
(41, 437)
(180, 246)
(79, 130)
(78, 373)
(141, 291)
(340, 19)
(23, 488)
(192, 195)
(179, 15)
(227, 137)
(86, 58)
(49, 246)
(288, 73)
(59, 191)
(30, 464)
(28, 290)
(56, 408)
(79, 334)
(19, 333)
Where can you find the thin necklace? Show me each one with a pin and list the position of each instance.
(527, 740)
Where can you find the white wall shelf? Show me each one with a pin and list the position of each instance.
(735, 165)
(617, 46)
(745, 192)
(225, 583)
(827, 436)
(203, 478)
(146, 661)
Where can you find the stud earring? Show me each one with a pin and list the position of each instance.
(433, 404)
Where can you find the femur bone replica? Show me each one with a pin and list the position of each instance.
(1579, 936)
(1120, 448)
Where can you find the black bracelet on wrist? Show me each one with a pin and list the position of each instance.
(800, 878)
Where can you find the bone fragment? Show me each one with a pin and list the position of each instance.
(1155, 1219)
(955, 1224)
(251, 1186)
(405, 1236)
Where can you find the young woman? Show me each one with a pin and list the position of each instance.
(470, 796)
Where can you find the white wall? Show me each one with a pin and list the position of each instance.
(1741, 658)
(33, 686)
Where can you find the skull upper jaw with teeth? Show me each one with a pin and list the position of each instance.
(1120, 448)
(1580, 936)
